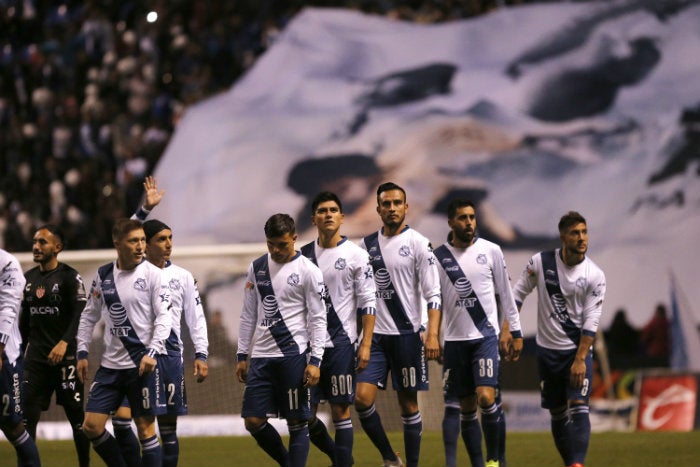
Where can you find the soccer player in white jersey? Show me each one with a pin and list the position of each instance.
(184, 301)
(408, 281)
(284, 309)
(351, 293)
(570, 293)
(12, 284)
(473, 280)
(129, 295)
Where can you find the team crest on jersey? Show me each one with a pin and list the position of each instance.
(140, 284)
(40, 291)
(293, 279)
(481, 259)
(174, 284)
(340, 264)
(405, 250)
(581, 282)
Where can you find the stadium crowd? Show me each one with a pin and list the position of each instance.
(91, 92)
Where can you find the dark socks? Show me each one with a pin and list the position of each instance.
(372, 424)
(298, 444)
(171, 445)
(127, 440)
(450, 433)
(108, 449)
(321, 439)
(270, 441)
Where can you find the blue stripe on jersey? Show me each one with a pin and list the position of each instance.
(280, 332)
(172, 344)
(119, 316)
(388, 293)
(335, 326)
(551, 280)
(467, 297)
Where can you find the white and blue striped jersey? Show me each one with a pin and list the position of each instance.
(185, 301)
(469, 305)
(405, 271)
(292, 314)
(350, 282)
(140, 319)
(12, 284)
(579, 302)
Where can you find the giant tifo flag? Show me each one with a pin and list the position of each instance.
(529, 111)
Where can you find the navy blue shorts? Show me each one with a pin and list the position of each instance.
(555, 370)
(404, 356)
(10, 392)
(469, 364)
(108, 389)
(172, 371)
(337, 384)
(275, 388)
(41, 380)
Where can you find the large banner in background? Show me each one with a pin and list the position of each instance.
(667, 402)
(529, 111)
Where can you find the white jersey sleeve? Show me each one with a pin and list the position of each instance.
(185, 302)
(12, 284)
(249, 315)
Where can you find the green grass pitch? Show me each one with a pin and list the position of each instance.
(638, 449)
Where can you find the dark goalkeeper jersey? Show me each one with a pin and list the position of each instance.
(51, 308)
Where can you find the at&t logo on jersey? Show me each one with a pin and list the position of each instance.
(270, 310)
(383, 281)
(464, 290)
(117, 314)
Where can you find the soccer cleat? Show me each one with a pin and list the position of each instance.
(491, 463)
(576, 464)
(397, 463)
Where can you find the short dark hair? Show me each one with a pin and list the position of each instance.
(388, 186)
(456, 204)
(55, 230)
(570, 219)
(123, 226)
(322, 197)
(278, 225)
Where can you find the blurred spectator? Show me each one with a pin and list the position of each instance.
(221, 349)
(656, 337)
(621, 340)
